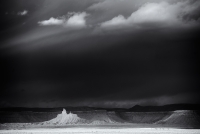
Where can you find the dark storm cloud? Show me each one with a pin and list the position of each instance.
(149, 68)
(52, 65)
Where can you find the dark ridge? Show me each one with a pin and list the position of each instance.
(171, 107)
(136, 108)
(24, 109)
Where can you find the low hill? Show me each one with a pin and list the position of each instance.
(182, 118)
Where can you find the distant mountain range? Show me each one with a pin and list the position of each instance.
(174, 115)
(136, 108)
(172, 107)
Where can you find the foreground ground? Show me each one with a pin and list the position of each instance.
(103, 131)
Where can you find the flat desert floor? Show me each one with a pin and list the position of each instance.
(103, 131)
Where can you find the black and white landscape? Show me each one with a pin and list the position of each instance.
(138, 119)
(99, 66)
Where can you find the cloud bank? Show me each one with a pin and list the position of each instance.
(162, 14)
(137, 15)
(51, 21)
(71, 20)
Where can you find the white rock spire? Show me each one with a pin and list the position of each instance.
(64, 111)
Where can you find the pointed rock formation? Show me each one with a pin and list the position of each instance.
(64, 111)
(93, 118)
(65, 118)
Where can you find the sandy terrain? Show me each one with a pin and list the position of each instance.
(103, 131)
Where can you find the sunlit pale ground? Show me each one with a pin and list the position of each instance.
(103, 131)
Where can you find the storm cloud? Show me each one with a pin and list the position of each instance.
(108, 53)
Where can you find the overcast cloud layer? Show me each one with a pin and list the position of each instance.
(109, 53)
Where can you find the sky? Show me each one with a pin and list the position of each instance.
(99, 53)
